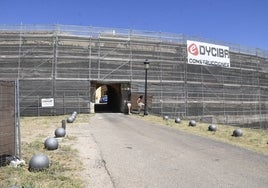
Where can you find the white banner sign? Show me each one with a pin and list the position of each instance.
(49, 102)
(201, 53)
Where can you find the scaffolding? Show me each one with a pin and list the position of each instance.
(62, 62)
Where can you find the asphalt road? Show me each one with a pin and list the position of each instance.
(140, 154)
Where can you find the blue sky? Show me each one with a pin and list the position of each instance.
(243, 22)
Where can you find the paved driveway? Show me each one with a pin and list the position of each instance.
(135, 153)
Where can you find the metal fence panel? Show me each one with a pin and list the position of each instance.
(9, 121)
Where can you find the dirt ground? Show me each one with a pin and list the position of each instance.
(94, 173)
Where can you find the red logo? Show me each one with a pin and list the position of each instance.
(192, 49)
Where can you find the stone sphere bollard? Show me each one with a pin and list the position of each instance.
(192, 123)
(238, 133)
(73, 116)
(165, 117)
(39, 162)
(70, 119)
(60, 132)
(51, 143)
(212, 127)
(74, 113)
(177, 120)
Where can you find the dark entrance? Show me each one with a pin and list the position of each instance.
(110, 97)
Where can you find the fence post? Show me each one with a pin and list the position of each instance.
(17, 120)
(38, 106)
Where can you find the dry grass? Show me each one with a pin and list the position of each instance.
(253, 139)
(64, 164)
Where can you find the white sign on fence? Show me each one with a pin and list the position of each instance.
(201, 53)
(49, 102)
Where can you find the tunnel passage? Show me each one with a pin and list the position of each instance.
(114, 98)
